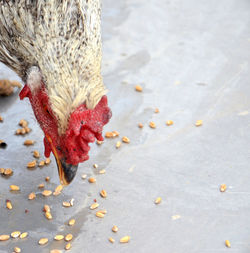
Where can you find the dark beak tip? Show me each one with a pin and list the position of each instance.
(69, 171)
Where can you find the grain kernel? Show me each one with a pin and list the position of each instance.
(40, 186)
(112, 240)
(23, 123)
(198, 123)
(115, 134)
(99, 142)
(8, 172)
(23, 235)
(47, 161)
(228, 244)
(1, 118)
(4, 237)
(41, 164)
(8, 204)
(23, 131)
(67, 246)
(99, 214)
(118, 144)
(125, 139)
(55, 251)
(28, 142)
(46, 193)
(92, 180)
(36, 154)
(109, 135)
(17, 250)
(32, 195)
(48, 215)
(14, 187)
(84, 176)
(95, 166)
(46, 208)
(152, 124)
(103, 171)
(103, 193)
(31, 164)
(68, 237)
(43, 241)
(125, 239)
(26, 129)
(58, 190)
(59, 237)
(157, 110)
(158, 201)
(103, 211)
(47, 179)
(94, 206)
(223, 187)
(115, 229)
(138, 88)
(140, 125)
(15, 234)
(169, 122)
(66, 204)
(2, 170)
(72, 222)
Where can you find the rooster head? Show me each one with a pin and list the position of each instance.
(70, 145)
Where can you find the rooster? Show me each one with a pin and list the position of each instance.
(55, 47)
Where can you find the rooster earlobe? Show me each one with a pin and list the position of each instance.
(25, 92)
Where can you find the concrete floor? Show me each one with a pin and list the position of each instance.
(192, 59)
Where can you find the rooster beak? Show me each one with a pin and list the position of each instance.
(66, 171)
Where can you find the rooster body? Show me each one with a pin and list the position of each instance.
(55, 47)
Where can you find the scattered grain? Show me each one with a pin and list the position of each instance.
(125, 239)
(41, 164)
(99, 142)
(43, 241)
(95, 166)
(84, 176)
(48, 215)
(68, 246)
(31, 164)
(228, 244)
(55, 251)
(72, 222)
(46, 208)
(47, 179)
(92, 180)
(152, 124)
(32, 195)
(223, 187)
(94, 206)
(36, 154)
(157, 110)
(112, 240)
(169, 122)
(140, 125)
(103, 171)
(17, 250)
(125, 139)
(41, 186)
(29, 142)
(118, 144)
(47, 161)
(4, 237)
(66, 204)
(115, 229)
(59, 237)
(198, 123)
(8, 172)
(23, 235)
(158, 201)
(46, 193)
(138, 88)
(15, 234)
(68, 237)
(14, 187)
(99, 214)
(103, 193)
(8, 204)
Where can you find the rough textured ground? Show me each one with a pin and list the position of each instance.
(192, 59)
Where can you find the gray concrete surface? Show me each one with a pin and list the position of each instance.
(192, 59)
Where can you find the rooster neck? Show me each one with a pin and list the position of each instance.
(63, 39)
